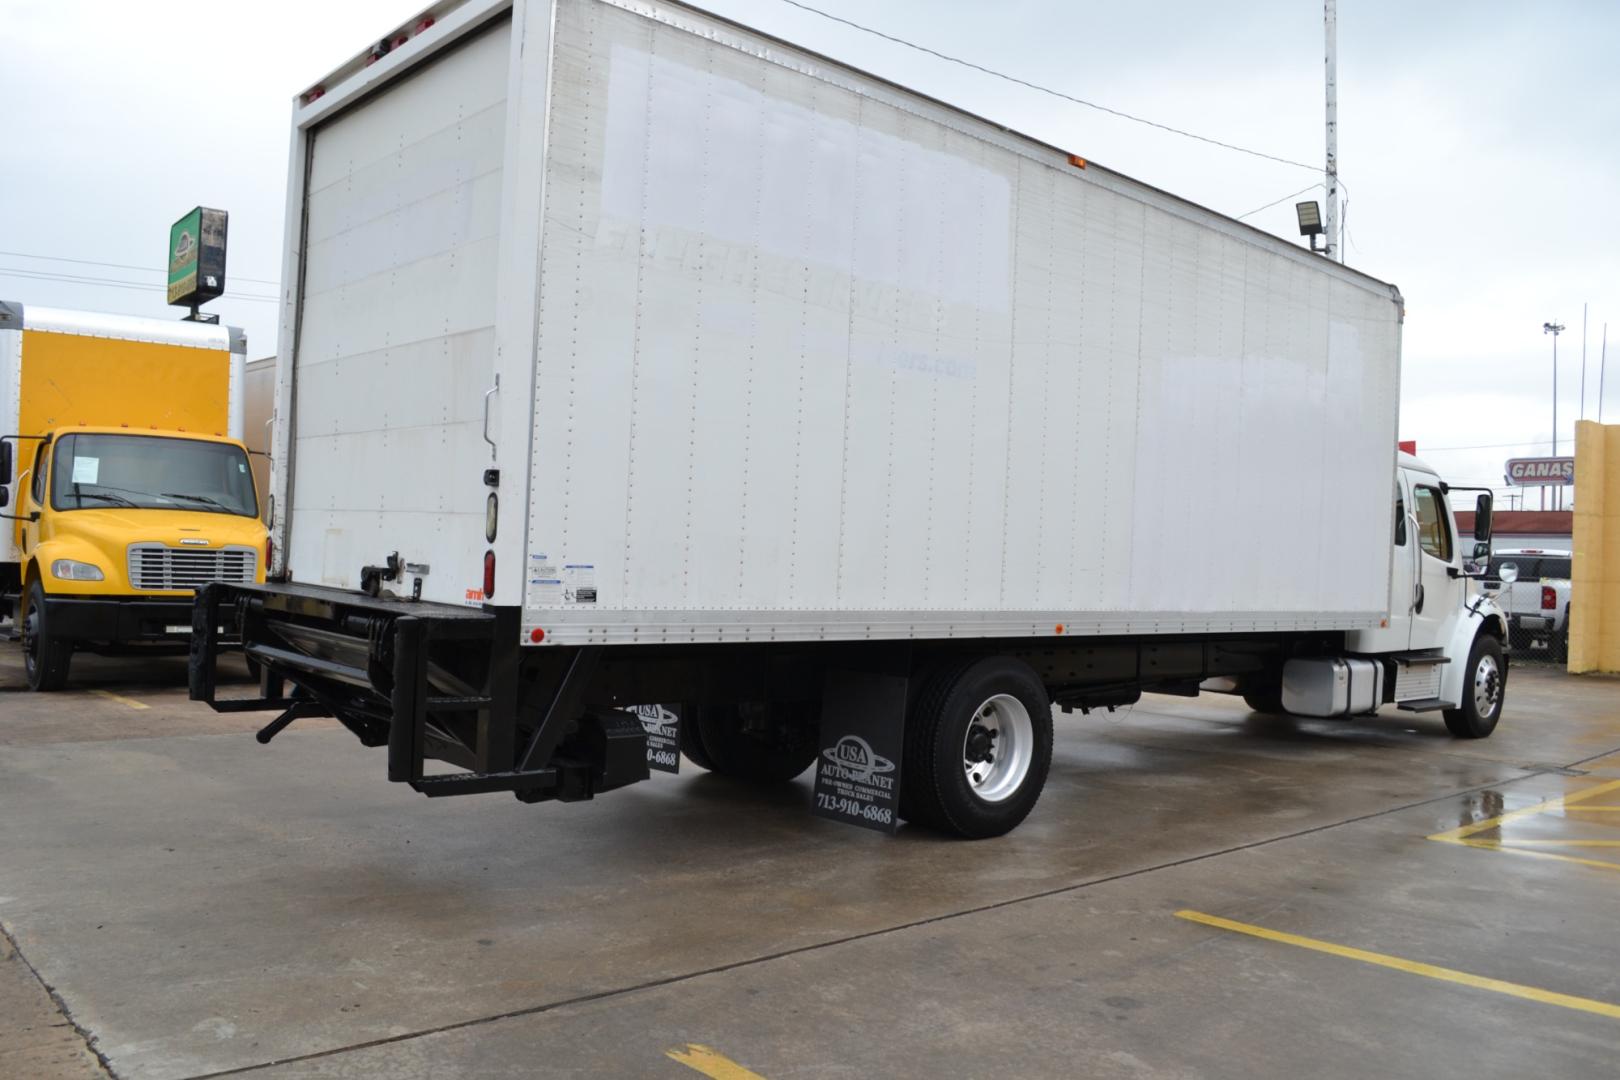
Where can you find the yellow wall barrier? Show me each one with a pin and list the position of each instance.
(1594, 604)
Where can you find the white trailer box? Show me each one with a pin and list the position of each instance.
(786, 351)
(633, 358)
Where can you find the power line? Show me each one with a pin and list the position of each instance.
(114, 283)
(1049, 90)
(121, 266)
(1285, 198)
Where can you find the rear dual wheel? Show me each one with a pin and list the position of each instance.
(765, 743)
(978, 747)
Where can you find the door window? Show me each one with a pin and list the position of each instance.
(1400, 517)
(37, 481)
(1434, 524)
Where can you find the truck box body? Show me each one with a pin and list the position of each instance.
(788, 352)
(80, 368)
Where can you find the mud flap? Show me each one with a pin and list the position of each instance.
(862, 740)
(662, 724)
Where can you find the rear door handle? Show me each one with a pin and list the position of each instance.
(487, 395)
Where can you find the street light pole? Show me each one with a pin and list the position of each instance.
(1330, 25)
(1555, 329)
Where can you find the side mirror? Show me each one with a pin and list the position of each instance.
(1482, 550)
(1509, 573)
(1482, 517)
(5, 462)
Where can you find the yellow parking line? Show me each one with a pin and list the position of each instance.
(1515, 842)
(1411, 967)
(1494, 845)
(711, 1063)
(1457, 835)
(121, 699)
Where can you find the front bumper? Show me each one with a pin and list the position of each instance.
(119, 619)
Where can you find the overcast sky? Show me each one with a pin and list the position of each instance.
(1478, 143)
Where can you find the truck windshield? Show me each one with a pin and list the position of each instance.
(151, 472)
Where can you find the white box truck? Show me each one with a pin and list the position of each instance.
(637, 357)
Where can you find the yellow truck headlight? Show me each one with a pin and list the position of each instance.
(72, 570)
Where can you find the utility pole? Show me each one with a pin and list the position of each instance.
(1603, 363)
(1330, 23)
(1555, 329)
(1583, 361)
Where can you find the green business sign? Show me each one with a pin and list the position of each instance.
(197, 257)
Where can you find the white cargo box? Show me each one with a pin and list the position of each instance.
(772, 349)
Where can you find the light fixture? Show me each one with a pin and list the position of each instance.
(1310, 222)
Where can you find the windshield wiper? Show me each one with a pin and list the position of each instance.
(107, 496)
(194, 498)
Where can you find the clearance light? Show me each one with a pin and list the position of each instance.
(537, 635)
(489, 574)
(426, 22)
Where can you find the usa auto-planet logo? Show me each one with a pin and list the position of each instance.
(656, 719)
(852, 758)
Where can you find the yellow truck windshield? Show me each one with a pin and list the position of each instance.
(151, 472)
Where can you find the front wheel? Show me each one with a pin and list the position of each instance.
(45, 658)
(978, 747)
(1484, 689)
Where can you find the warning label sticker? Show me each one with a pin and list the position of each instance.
(579, 583)
(543, 583)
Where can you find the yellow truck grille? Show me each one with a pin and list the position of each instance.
(157, 567)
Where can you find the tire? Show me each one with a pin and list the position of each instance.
(45, 659)
(1484, 688)
(941, 786)
(1559, 642)
(758, 742)
(691, 741)
(1265, 697)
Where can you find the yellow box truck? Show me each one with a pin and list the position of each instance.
(123, 479)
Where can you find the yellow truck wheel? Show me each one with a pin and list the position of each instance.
(45, 659)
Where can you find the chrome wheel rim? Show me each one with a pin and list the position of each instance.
(1487, 686)
(998, 747)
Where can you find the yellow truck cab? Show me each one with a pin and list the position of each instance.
(124, 479)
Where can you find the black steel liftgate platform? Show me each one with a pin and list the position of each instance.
(428, 681)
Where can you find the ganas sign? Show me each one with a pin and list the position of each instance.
(1541, 471)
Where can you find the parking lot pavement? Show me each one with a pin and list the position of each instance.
(202, 904)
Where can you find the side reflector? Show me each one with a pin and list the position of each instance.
(1077, 161)
(537, 635)
(489, 574)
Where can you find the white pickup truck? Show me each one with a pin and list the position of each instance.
(1532, 586)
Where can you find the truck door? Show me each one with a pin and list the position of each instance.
(1439, 594)
(1402, 577)
(395, 345)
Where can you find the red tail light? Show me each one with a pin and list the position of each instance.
(1549, 598)
(489, 574)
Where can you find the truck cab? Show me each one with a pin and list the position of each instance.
(1442, 646)
(117, 530)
